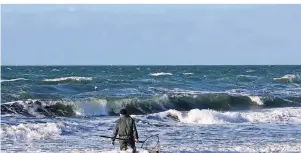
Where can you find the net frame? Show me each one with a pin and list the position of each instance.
(154, 145)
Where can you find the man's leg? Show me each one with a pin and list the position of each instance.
(132, 145)
(123, 144)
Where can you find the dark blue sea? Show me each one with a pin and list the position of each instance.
(190, 108)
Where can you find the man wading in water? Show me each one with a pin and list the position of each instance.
(126, 128)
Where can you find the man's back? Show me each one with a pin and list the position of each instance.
(126, 128)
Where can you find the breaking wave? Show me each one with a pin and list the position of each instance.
(30, 131)
(36, 108)
(206, 116)
(159, 74)
(69, 79)
(256, 99)
(10, 80)
(188, 73)
(289, 78)
(106, 106)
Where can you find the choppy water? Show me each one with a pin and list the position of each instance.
(192, 108)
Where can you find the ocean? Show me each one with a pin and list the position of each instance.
(191, 108)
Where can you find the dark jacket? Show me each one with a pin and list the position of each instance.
(126, 128)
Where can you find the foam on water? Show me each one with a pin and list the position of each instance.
(107, 151)
(271, 147)
(30, 131)
(277, 115)
(74, 78)
(289, 78)
(188, 73)
(273, 130)
(159, 74)
(256, 99)
(55, 70)
(10, 80)
(246, 148)
(196, 116)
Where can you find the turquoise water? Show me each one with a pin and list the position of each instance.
(232, 106)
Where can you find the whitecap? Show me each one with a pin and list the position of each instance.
(10, 80)
(74, 78)
(289, 78)
(159, 74)
(207, 116)
(188, 73)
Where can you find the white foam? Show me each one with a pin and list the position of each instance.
(108, 151)
(241, 148)
(159, 74)
(188, 73)
(270, 147)
(17, 79)
(196, 116)
(249, 71)
(289, 78)
(247, 76)
(206, 116)
(127, 151)
(36, 131)
(55, 70)
(256, 99)
(93, 107)
(75, 78)
(277, 115)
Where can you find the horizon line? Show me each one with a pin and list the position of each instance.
(162, 65)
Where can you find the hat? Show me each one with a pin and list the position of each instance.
(123, 112)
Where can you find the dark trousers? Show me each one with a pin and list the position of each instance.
(125, 143)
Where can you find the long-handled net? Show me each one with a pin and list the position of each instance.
(151, 143)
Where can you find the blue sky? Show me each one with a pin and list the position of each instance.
(151, 34)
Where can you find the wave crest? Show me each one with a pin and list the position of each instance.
(289, 78)
(188, 73)
(206, 116)
(38, 108)
(111, 106)
(159, 74)
(65, 79)
(10, 80)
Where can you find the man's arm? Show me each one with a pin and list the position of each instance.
(115, 131)
(135, 130)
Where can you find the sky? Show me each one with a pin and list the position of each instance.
(150, 34)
